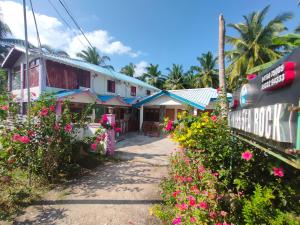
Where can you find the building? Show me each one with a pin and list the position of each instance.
(78, 81)
(154, 108)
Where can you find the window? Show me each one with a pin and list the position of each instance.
(148, 92)
(111, 86)
(133, 91)
(16, 78)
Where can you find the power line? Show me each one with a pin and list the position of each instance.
(64, 21)
(76, 24)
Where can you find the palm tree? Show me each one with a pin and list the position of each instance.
(54, 51)
(206, 73)
(189, 80)
(175, 77)
(153, 76)
(92, 55)
(129, 70)
(254, 46)
(4, 32)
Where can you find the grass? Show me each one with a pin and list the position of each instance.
(18, 194)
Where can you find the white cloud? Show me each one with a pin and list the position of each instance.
(54, 33)
(140, 68)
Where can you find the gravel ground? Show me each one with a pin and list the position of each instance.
(117, 193)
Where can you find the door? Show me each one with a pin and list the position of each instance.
(170, 113)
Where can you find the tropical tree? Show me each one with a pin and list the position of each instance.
(129, 69)
(254, 45)
(54, 51)
(92, 55)
(153, 76)
(175, 77)
(4, 32)
(189, 80)
(206, 73)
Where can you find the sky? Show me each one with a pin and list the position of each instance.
(140, 31)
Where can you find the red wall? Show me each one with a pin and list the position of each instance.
(66, 77)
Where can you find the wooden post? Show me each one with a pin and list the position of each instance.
(141, 117)
(222, 83)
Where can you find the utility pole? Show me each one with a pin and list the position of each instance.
(27, 63)
(222, 83)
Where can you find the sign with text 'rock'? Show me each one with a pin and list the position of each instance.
(266, 108)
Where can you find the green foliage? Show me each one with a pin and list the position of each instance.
(213, 161)
(259, 209)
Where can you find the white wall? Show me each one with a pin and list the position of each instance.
(99, 85)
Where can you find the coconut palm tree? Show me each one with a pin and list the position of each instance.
(206, 73)
(153, 76)
(54, 51)
(254, 45)
(129, 69)
(92, 55)
(4, 32)
(175, 77)
(189, 80)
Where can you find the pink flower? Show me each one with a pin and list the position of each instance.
(176, 221)
(56, 126)
(68, 128)
(104, 119)
(33, 94)
(251, 76)
(203, 205)
(226, 223)
(193, 220)
(169, 126)
(214, 118)
(4, 107)
(195, 190)
(24, 139)
(192, 200)
(182, 206)
(30, 133)
(118, 129)
(212, 215)
(201, 169)
(215, 174)
(223, 213)
(44, 111)
(94, 146)
(52, 108)
(189, 179)
(247, 155)
(175, 193)
(278, 172)
(16, 137)
(218, 223)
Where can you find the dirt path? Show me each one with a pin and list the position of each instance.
(114, 194)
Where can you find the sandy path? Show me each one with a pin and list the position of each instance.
(114, 194)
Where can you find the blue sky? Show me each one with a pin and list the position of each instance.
(161, 31)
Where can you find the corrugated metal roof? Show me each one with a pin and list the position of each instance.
(86, 66)
(66, 93)
(105, 98)
(132, 100)
(198, 98)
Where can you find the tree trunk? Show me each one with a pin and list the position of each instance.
(223, 94)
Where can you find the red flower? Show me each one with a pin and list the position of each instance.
(68, 128)
(247, 155)
(30, 133)
(44, 111)
(118, 129)
(16, 137)
(251, 76)
(192, 200)
(203, 205)
(212, 215)
(104, 119)
(24, 139)
(94, 146)
(56, 126)
(278, 172)
(223, 213)
(175, 193)
(52, 108)
(215, 174)
(4, 107)
(169, 126)
(189, 179)
(214, 118)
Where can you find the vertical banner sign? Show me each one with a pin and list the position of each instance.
(263, 110)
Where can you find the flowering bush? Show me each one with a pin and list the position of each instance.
(214, 178)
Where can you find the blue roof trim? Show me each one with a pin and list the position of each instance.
(105, 98)
(65, 93)
(149, 99)
(198, 106)
(131, 100)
